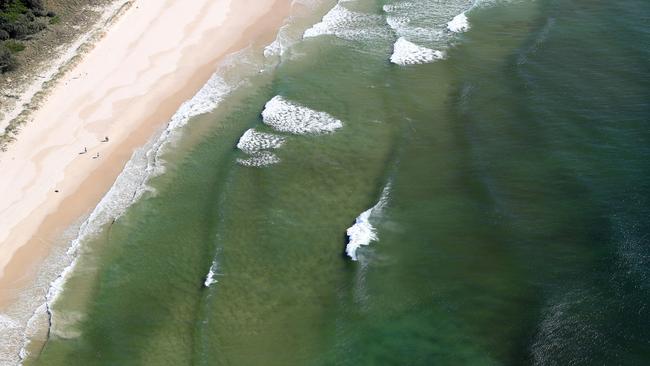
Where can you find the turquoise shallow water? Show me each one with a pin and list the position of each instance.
(515, 230)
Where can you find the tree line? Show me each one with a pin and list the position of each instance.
(19, 19)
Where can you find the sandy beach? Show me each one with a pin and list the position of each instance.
(156, 56)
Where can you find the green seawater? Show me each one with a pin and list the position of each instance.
(515, 230)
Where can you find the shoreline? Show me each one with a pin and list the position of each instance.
(178, 73)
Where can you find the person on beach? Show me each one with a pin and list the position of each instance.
(105, 139)
(83, 152)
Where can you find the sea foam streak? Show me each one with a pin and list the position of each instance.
(286, 116)
(408, 53)
(362, 232)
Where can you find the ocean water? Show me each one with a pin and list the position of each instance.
(390, 183)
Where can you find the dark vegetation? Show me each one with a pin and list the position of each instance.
(19, 19)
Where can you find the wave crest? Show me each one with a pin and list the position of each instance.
(362, 233)
(286, 116)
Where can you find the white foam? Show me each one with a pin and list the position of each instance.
(273, 49)
(286, 116)
(260, 159)
(280, 44)
(401, 6)
(362, 232)
(346, 24)
(288, 35)
(31, 329)
(253, 141)
(426, 24)
(408, 53)
(459, 23)
(397, 22)
(211, 277)
(10, 335)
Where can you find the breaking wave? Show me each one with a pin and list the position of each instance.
(363, 232)
(211, 277)
(253, 141)
(408, 53)
(459, 23)
(425, 29)
(286, 116)
(346, 24)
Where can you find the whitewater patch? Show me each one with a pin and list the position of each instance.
(260, 159)
(274, 49)
(280, 44)
(408, 53)
(346, 24)
(211, 277)
(459, 23)
(362, 233)
(253, 141)
(286, 116)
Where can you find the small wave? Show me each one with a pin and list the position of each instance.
(274, 49)
(282, 42)
(363, 232)
(408, 53)
(293, 29)
(346, 24)
(253, 141)
(459, 23)
(286, 116)
(211, 277)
